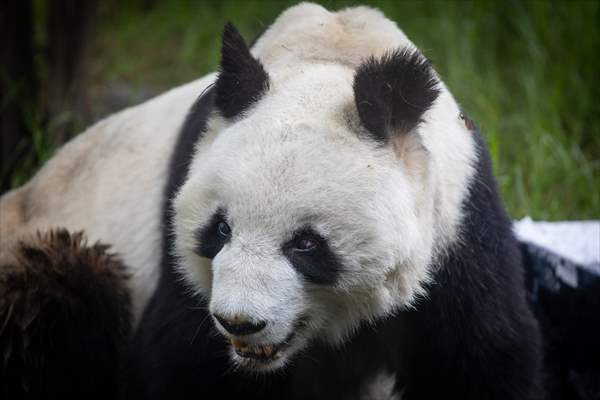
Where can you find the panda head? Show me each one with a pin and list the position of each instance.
(309, 206)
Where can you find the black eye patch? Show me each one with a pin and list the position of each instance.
(213, 236)
(311, 255)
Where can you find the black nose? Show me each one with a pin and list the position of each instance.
(239, 325)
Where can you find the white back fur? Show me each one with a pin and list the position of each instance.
(109, 182)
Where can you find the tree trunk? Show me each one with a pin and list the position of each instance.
(18, 84)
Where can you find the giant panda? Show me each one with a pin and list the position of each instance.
(316, 220)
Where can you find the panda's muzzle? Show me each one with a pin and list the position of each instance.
(257, 352)
(240, 326)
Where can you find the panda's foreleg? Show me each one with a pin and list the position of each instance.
(64, 317)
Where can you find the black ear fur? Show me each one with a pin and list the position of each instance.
(393, 92)
(242, 78)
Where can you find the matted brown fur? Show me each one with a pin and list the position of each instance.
(64, 317)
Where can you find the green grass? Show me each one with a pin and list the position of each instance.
(528, 73)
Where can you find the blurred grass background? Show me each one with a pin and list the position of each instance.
(528, 73)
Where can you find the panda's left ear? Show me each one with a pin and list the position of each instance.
(242, 79)
(392, 93)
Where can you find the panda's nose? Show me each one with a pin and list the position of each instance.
(239, 325)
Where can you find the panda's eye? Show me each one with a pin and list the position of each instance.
(310, 254)
(213, 236)
(223, 229)
(306, 244)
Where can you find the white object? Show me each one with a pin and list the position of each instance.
(577, 241)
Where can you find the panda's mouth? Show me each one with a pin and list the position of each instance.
(263, 353)
(268, 356)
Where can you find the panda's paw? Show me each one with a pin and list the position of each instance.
(64, 317)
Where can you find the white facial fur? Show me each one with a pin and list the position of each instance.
(299, 156)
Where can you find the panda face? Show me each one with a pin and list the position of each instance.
(296, 225)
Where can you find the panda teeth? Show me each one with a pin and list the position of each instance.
(257, 352)
(265, 351)
(245, 349)
(268, 350)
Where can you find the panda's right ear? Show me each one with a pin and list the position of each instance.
(242, 79)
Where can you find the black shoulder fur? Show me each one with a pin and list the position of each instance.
(475, 335)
